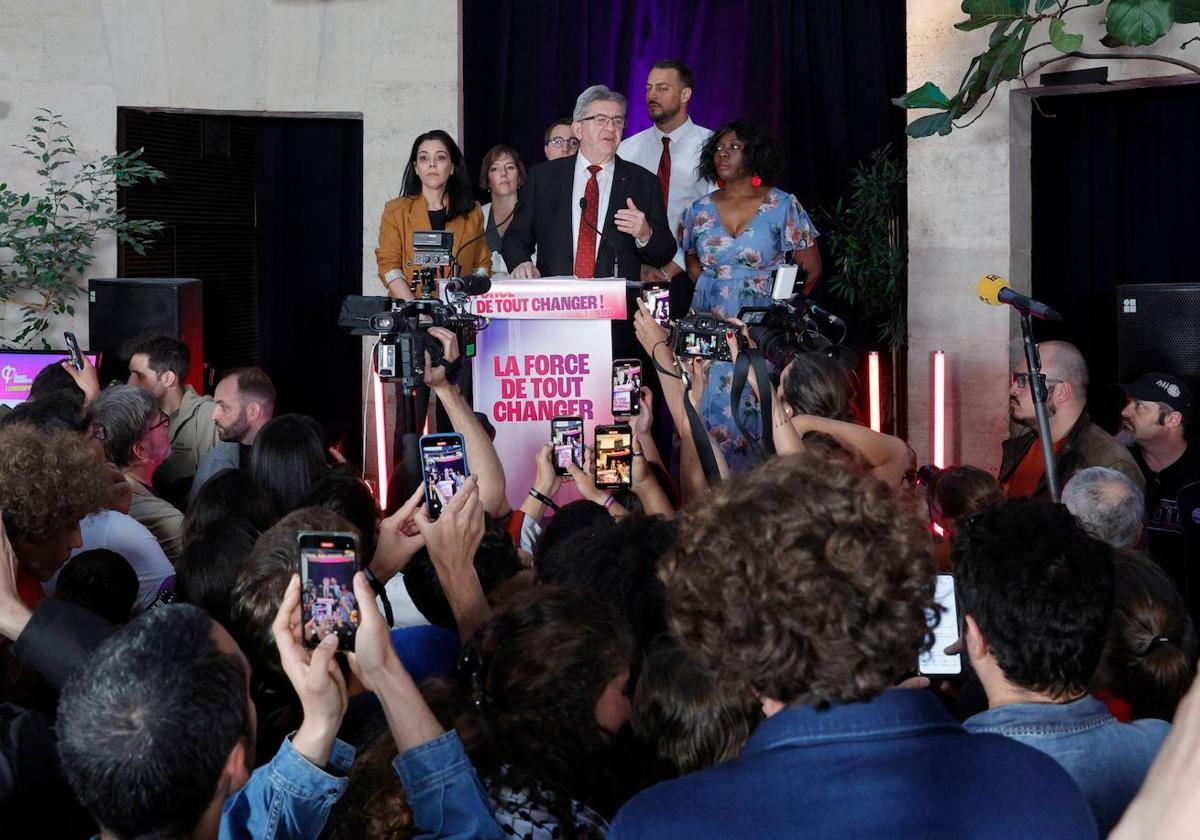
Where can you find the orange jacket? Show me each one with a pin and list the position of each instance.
(403, 215)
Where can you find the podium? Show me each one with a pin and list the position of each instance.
(546, 353)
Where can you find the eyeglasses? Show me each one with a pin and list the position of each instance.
(734, 146)
(1021, 380)
(564, 142)
(163, 419)
(98, 432)
(603, 120)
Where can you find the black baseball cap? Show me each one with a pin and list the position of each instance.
(1164, 388)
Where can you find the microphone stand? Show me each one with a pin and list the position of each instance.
(1037, 387)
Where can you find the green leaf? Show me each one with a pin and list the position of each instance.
(1063, 41)
(986, 12)
(942, 123)
(1138, 23)
(1043, 5)
(927, 95)
(1186, 11)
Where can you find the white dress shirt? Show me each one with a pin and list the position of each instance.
(645, 149)
(604, 180)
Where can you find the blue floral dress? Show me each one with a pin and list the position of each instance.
(736, 272)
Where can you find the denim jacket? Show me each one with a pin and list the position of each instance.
(896, 766)
(289, 797)
(444, 792)
(1106, 758)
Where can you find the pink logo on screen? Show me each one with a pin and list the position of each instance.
(7, 373)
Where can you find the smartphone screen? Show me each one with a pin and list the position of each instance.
(935, 663)
(73, 350)
(566, 436)
(328, 561)
(658, 301)
(614, 456)
(443, 469)
(626, 386)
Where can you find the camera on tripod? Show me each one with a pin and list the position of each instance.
(403, 325)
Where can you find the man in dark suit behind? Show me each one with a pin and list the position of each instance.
(619, 199)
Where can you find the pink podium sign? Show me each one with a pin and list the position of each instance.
(547, 352)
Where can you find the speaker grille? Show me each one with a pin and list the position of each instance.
(122, 309)
(1158, 328)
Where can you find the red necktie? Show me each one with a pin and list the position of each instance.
(585, 251)
(664, 169)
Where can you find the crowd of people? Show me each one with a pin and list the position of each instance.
(696, 655)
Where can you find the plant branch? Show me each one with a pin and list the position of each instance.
(1105, 56)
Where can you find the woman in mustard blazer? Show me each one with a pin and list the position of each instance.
(436, 196)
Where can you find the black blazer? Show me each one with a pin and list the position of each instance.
(543, 222)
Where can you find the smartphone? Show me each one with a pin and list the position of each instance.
(73, 350)
(783, 285)
(935, 663)
(443, 469)
(614, 456)
(658, 301)
(566, 436)
(626, 386)
(328, 561)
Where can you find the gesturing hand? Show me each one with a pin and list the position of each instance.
(316, 678)
(631, 220)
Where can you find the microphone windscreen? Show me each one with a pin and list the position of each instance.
(988, 288)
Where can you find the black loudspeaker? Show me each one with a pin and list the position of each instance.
(1158, 329)
(123, 309)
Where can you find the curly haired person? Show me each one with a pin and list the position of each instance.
(809, 586)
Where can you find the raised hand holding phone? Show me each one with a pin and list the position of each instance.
(314, 675)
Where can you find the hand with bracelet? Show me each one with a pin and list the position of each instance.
(546, 484)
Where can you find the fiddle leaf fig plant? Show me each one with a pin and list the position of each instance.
(1128, 23)
(47, 236)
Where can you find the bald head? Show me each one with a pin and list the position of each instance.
(1061, 360)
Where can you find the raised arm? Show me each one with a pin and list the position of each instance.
(481, 454)
(887, 456)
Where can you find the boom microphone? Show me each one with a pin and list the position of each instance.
(995, 291)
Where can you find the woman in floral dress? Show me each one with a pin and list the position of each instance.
(733, 239)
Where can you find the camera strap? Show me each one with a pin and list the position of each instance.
(708, 460)
(751, 359)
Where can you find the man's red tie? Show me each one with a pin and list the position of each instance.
(585, 251)
(664, 169)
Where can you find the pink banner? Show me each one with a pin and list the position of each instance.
(17, 370)
(553, 298)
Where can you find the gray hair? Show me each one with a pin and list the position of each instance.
(125, 412)
(1108, 504)
(596, 93)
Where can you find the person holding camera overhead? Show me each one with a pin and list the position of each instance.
(733, 239)
(436, 195)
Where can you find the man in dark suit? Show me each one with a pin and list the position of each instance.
(566, 203)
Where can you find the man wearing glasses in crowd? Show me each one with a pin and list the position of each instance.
(1078, 442)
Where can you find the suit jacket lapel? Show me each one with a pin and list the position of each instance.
(418, 214)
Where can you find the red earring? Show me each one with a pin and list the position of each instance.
(720, 184)
(756, 181)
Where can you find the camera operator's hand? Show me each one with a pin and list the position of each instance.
(314, 675)
(14, 615)
(526, 271)
(435, 376)
(547, 481)
(399, 539)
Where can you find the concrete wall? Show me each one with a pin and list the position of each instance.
(968, 213)
(394, 61)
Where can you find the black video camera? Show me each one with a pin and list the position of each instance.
(785, 329)
(403, 330)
